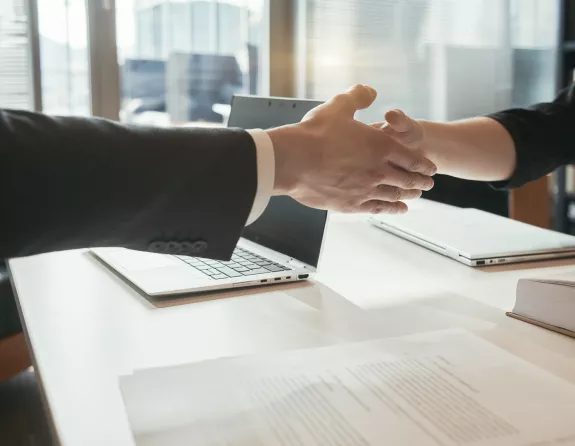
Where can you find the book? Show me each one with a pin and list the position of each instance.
(547, 302)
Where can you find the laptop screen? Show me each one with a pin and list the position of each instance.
(285, 226)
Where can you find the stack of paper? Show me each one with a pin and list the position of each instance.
(444, 388)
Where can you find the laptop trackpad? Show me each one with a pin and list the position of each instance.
(140, 261)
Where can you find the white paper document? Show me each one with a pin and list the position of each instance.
(442, 388)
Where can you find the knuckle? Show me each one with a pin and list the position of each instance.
(415, 165)
(396, 194)
(410, 181)
(341, 98)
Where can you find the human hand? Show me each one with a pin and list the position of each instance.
(478, 149)
(404, 130)
(331, 161)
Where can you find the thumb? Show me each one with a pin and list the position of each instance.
(399, 122)
(403, 129)
(358, 97)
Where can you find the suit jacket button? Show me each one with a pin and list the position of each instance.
(173, 247)
(195, 248)
(158, 247)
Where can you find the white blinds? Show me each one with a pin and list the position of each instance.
(436, 59)
(14, 60)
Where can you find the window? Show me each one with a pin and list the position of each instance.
(181, 61)
(64, 57)
(15, 73)
(435, 59)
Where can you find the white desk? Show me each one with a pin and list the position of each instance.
(87, 327)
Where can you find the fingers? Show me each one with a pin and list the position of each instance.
(356, 98)
(411, 161)
(403, 129)
(393, 176)
(399, 121)
(393, 194)
(383, 207)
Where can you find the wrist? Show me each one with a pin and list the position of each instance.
(290, 157)
(433, 141)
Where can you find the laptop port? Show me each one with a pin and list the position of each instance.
(481, 262)
(278, 278)
(303, 276)
(263, 280)
(501, 260)
(288, 278)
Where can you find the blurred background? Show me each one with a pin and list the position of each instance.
(180, 61)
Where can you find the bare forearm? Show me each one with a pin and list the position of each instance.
(475, 149)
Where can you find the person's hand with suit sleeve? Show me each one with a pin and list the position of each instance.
(84, 182)
(331, 161)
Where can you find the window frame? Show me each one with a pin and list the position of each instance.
(34, 55)
(283, 49)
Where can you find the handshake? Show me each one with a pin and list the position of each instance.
(332, 161)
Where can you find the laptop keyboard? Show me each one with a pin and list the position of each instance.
(243, 263)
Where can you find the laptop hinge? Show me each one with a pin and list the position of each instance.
(296, 264)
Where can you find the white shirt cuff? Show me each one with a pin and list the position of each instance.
(266, 173)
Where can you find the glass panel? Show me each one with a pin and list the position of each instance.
(64, 57)
(435, 59)
(15, 73)
(181, 61)
(534, 34)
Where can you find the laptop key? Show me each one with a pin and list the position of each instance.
(273, 268)
(219, 276)
(253, 272)
(229, 272)
(211, 271)
(241, 269)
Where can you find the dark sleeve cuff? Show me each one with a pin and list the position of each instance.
(533, 161)
(543, 135)
(516, 179)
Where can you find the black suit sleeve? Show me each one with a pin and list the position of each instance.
(544, 136)
(72, 182)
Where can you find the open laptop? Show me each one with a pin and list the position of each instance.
(283, 245)
(474, 237)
